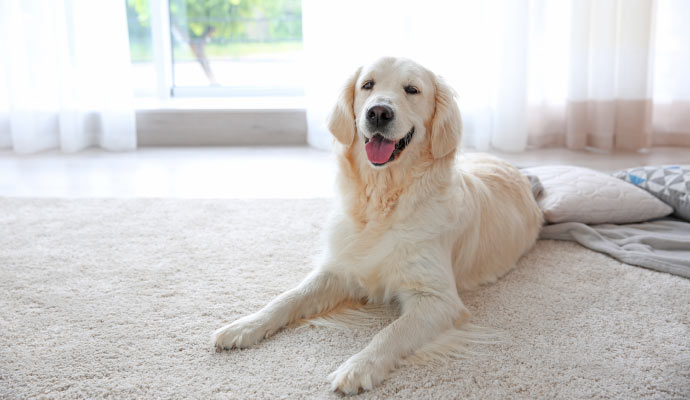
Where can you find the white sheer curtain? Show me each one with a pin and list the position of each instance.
(600, 74)
(64, 75)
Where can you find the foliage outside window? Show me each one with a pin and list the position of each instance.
(213, 38)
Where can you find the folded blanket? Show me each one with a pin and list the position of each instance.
(662, 245)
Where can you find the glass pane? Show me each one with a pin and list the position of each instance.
(243, 44)
(140, 47)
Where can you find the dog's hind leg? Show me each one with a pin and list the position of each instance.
(319, 292)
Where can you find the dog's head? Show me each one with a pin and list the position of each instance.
(400, 111)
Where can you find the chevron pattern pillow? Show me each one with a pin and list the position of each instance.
(670, 183)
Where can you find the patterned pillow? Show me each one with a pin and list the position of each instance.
(670, 183)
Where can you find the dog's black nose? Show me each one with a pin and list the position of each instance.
(379, 116)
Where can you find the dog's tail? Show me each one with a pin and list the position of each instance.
(461, 341)
(351, 314)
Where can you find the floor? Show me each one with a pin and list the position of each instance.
(118, 298)
(234, 172)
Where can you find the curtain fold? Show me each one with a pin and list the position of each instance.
(64, 76)
(602, 74)
(610, 59)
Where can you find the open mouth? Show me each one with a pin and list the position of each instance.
(381, 151)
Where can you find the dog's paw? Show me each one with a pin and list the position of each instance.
(243, 333)
(357, 374)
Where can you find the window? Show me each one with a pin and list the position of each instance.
(216, 47)
(140, 46)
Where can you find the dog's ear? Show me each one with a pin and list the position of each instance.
(446, 127)
(341, 121)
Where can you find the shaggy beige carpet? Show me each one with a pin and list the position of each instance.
(118, 298)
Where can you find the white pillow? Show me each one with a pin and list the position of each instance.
(575, 194)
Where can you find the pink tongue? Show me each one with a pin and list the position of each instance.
(379, 150)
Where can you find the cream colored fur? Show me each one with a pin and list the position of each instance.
(412, 232)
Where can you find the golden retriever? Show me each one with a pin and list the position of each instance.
(416, 224)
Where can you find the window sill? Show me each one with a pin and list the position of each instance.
(249, 121)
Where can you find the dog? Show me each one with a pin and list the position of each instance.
(415, 224)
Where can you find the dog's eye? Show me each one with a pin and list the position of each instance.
(368, 85)
(409, 89)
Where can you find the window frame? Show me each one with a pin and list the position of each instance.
(161, 46)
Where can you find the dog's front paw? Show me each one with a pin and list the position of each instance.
(357, 374)
(244, 332)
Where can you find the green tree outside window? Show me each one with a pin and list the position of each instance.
(222, 28)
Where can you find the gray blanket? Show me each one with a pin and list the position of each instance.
(661, 245)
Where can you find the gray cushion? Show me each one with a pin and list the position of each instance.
(670, 183)
(536, 185)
